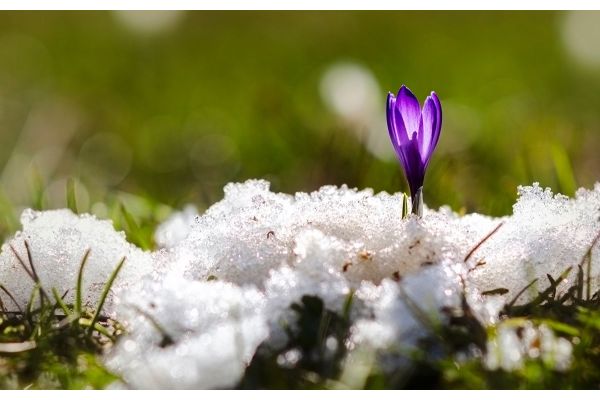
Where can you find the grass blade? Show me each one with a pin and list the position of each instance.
(167, 339)
(97, 327)
(29, 310)
(22, 263)
(38, 190)
(61, 303)
(588, 256)
(486, 237)
(133, 229)
(348, 305)
(78, 292)
(104, 294)
(514, 300)
(71, 197)
(5, 290)
(588, 290)
(43, 294)
(564, 170)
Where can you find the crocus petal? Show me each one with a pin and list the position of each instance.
(396, 128)
(409, 109)
(429, 127)
(413, 165)
(438, 126)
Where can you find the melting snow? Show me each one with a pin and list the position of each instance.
(186, 334)
(58, 241)
(222, 282)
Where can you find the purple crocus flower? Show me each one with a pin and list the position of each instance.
(414, 132)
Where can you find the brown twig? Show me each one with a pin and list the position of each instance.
(32, 274)
(22, 263)
(587, 253)
(474, 249)
(5, 290)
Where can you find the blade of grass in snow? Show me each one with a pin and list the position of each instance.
(166, 338)
(78, 292)
(105, 291)
(482, 241)
(61, 303)
(5, 290)
(29, 310)
(133, 228)
(43, 294)
(86, 323)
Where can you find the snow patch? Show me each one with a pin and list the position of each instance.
(188, 335)
(222, 282)
(57, 242)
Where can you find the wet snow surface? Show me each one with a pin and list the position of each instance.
(222, 282)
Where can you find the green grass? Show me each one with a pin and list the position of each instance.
(228, 96)
(53, 345)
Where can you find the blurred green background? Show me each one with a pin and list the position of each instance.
(164, 108)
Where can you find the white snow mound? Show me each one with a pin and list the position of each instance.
(188, 335)
(58, 241)
(222, 282)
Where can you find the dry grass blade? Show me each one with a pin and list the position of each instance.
(588, 257)
(5, 290)
(30, 259)
(167, 339)
(43, 294)
(32, 273)
(592, 245)
(18, 347)
(514, 300)
(21, 262)
(482, 241)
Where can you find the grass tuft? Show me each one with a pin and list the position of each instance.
(55, 345)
